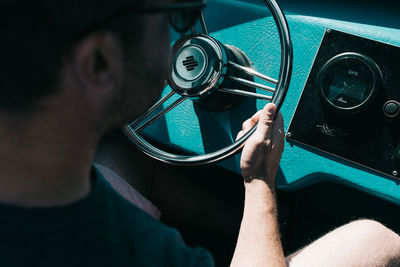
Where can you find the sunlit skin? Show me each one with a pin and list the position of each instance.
(259, 240)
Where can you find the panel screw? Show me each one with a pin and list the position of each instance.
(328, 30)
(394, 173)
(289, 134)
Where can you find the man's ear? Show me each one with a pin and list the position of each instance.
(98, 63)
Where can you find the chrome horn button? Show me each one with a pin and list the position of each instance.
(190, 62)
(198, 67)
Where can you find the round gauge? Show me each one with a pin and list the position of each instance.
(348, 82)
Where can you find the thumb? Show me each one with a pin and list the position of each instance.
(265, 122)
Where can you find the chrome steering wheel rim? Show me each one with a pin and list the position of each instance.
(228, 151)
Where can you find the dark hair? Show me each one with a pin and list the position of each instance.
(35, 38)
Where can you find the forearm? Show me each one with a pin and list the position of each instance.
(259, 241)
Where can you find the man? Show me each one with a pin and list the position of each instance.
(71, 71)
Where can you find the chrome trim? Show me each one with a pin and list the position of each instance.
(285, 72)
(203, 23)
(214, 73)
(159, 115)
(185, 160)
(372, 66)
(252, 84)
(253, 72)
(152, 108)
(245, 93)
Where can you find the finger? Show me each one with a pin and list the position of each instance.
(278, 130)
(265, 122)
(247, 124)
(254, 119)
(239, 135)
(278, 121)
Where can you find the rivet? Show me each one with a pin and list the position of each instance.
(395, 173)
(289, 134)
(328, 30)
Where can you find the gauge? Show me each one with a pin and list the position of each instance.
(349, 82)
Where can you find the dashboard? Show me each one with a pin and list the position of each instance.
(320, 31)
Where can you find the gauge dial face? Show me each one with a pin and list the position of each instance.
(348, 82)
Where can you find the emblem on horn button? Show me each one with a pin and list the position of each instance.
(190, 63)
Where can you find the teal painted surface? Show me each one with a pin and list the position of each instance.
(197, 131)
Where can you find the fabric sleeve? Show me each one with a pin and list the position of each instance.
(181, 255)
(128, 192)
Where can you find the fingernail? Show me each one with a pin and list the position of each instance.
(273, 112)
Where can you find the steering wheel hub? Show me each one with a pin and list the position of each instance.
(198, 67)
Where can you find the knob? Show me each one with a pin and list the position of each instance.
(391, 108)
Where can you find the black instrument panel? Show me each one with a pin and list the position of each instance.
(351, 103)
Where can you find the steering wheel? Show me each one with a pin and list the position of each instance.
(202, 69)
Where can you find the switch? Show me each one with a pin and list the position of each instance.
(391, 108)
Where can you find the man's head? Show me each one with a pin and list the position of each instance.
(71, 70)
(50, 46)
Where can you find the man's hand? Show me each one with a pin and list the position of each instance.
(262, 151)
(259, 241)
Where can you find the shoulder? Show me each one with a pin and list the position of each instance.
(139, 238)
(127, 191)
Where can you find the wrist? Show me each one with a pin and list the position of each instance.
(261, 194)
(260, 183)
(268, 177)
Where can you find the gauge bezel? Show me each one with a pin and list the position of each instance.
(376, 81)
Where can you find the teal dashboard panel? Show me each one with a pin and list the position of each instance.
(251, 28)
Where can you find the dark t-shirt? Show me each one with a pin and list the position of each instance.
(103, 229)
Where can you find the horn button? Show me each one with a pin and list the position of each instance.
(199, 68)
(190, 63)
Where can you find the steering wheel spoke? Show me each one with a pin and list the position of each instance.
(253, 72)
(252, 84)
(203, 23)
(245, 93)
(140, 127)
(152, 109)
